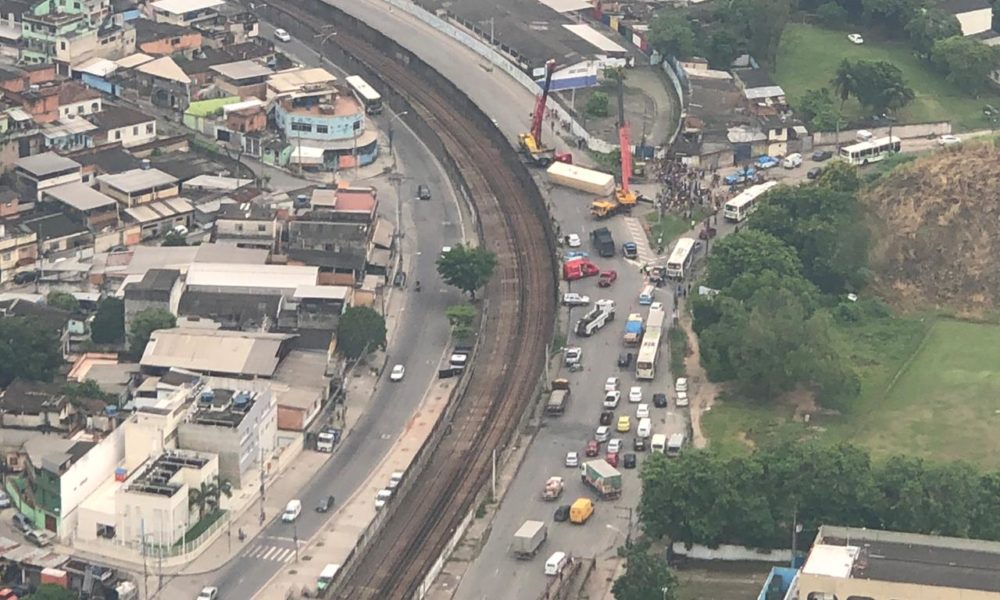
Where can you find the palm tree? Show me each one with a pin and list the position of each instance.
(197, 498)
(844, 82)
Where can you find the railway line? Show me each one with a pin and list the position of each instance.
(519, 317)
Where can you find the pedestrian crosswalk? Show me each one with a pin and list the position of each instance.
(638, 235)
(269, 552)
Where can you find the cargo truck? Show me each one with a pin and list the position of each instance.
(528, 539)
(603, 241)
(553, 489)
(558, 398)
(579, 178)
(604, 478)
(633, 329)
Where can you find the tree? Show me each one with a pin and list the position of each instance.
(832, 14)
(840, 176)
(360, 330)
(671, 35)
(877, 85)
(891, 15)
(200, 498)
(749, 252)
(818, 108)
(144, 324)
(85, 389)
(461, 317)
(174, 239)
(597, 105)
(467, 268)
(928, 26)
(647, 577)
(843, 81)
(765, 22)
(109, 322)
(966, 62)
(28, 350)
(51, 591)
(63, 301)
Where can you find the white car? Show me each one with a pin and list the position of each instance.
(445, 249)
(573, 240)
(635, 394)
(614, 446)
(642, 411)
(382, 498)
(856, 38)
(398, 372)
(949, 140)
(292, 511)
(572, 459)
(395, 479)
(574, 299)
(282, 35)
(656, 306)
(611, 399)
(681, 385)
(572, 355)
(602, 433)
(682, 399)
(611, 385)
(208, 593)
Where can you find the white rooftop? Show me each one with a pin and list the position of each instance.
(79, 196)
(215, 351)
(97, 66)
(216, 182)
(285, 277)
(179, 7)
(325, 292)
(241, 69)
(164, 68)
(133, 60)
(152, 212)
(135, 180)
(831, 561)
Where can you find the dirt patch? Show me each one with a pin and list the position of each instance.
(803, 403)
(640, 111)
(937, 231)
(702, 392)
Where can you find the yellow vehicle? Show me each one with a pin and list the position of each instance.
(624, 424)
(624, 198)
(581, 510)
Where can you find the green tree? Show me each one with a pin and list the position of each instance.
(360, 330)
(818, 108)
(765, 22)
(28, 350)
(879, 86)
(841, 177)
(597, 105)
(647, 576)
(62, 300)
(174, 239)
(752, 252)
(671, 35)
(928, 26)
(891, 15)
(200, 498)
(844, 83)
(462, 317)
(467, 268)
(51, 591)
(832, 14)
(85, 389)
(108, 326)
(966, 62)
(144, 324)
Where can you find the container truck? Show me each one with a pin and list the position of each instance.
(579, 178)
(528, 539)
(633, 329)
(604, 478)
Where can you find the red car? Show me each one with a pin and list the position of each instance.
(612, 459)
(593, 448)
(607, 278)
(578, 268)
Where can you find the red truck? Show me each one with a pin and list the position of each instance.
(579, 268)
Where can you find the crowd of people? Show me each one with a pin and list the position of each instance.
(683, 187)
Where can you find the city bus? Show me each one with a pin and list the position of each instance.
(863, 153)
(680, 258)
(743, 205)
(645, 365)
(366, 94)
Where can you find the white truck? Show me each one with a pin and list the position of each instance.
(602, 313)
(528, 539)
(326, 440)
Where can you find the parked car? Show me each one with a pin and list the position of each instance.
(856, 38)
(612, 459)
(593, 448)
(611, 399)
(25, 277)
(561, 514)
(792, 160)
(572, 355)
(574, 299)
(22, 523)
(282, 36)
(682, 399)
(602, 433)
(642, 411)
(606, 278)
(624, 424)
(4, 500)
(574, 254)
(615, 445)
(624, 360)
(398, 371)
(573, 240)
(210, 593)
(423, 192)
(767, 162)
(681, 385)
(325, 504)
(821, 155)
(635, 394)
(630, 250)
(629, 461)
(395, 479)
(606, 417)
(948, 140)
(639, 444)
(39, 538)
(660, 400)
(611, 384)
(382, 498)
(814, 172)
(572, 459)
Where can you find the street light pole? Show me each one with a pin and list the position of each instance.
(392, 153)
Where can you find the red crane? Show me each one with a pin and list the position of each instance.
(531, 142)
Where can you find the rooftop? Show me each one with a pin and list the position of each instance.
(51, 317)
(247, 211)
(33, 398)
(164, 68)
(158, 477)
(79, 196)
(223, 408)
(754, 78)
(147, 30)
(155, 283)
(241, 69)
(285, 277)
(71, 92)
(293, 80)
(133, 60)
(180, 7)
(138, 180)
(108, 159)
(46, 163)
(220, 352)
(71, 126)
(97, 66)
(957, 7)
(50, 227)
(158, 210)
(115, 117)
(344, 199)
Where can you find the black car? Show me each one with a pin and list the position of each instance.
(629, 461)
(423, 192)
(821, 155)
(639, 444)
(607, 416)
(660, 400)
(624, 360)
(325, 505)
(25, 277)
(562, 513)
(814, 172)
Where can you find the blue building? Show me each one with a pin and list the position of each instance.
(325, 128)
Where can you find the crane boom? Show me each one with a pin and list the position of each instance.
(624, 138)
(539, 114)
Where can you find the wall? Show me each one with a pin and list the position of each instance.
(171, 45)
(88, 474)
(136, 199)
(337, 127)
(14, 249)
(86, 107)
(883, 590)
(915, 130)
(133, 135)
(162, 519)
(728, 552)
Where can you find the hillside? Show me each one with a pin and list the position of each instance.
(936, 240)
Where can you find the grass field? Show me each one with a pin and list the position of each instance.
(809, 55)
(932, 392)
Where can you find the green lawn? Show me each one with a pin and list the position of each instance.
(671, 226)
(933, 395)
(809, 55)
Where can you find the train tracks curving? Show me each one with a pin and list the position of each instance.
(519, 320)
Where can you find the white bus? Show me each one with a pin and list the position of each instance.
(655, 319)
(680, 258)
(743, 205)
(645, 365)
(863, 153)
(366, 94)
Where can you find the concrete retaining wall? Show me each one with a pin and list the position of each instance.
(727, 552)
(914, 130)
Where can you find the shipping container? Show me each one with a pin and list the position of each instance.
(579, 178)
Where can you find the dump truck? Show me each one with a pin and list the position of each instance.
(558, 398)
(633, 329)
(528, 539)
(553, 489)
(603, 241)
(604, 478)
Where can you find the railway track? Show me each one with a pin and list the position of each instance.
(518, 322)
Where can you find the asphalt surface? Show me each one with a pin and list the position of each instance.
(428, 224)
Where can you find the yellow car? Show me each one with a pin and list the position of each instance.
(624, 424)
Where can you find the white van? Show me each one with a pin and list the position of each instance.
(556, 563)
(326, 577)
(645, 428)
(659, 443)
(792, 160)
(292, 511)
(675, 444)
(646, 295)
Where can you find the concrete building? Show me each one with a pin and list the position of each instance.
(83, 203)
(852, 563)
(158, 288)
(237, 354)
(165, 39)
(243, 79)
(58, 233)
(123, 125)
(139, 186)
(185, 12)
(66, 33)
(32, 405)
(156, 219)
(36, 173)
(234, 422)
(76, 99)
(247, 225)
(18, 251)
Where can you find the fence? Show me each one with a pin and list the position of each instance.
(911, 130)
(164, 556)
